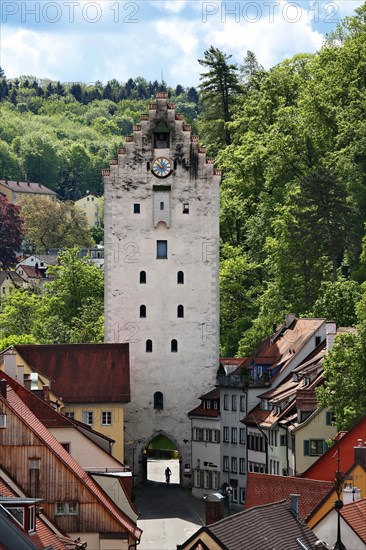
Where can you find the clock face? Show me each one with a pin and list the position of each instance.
(161, 167)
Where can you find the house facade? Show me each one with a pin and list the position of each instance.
(161, 273)
(16, 191)
(89, 206)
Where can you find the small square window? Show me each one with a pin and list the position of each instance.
(106, 418)
(136, 209)
(186, 208)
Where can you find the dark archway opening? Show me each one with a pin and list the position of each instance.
(161, 453)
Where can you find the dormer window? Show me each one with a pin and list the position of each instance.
(161, 136)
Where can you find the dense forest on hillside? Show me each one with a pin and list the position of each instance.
(291, 142)
(62, 135)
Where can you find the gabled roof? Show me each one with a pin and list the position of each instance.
(262, 528)
(24, 413)
(83, 373)
(32, 272)
(27, 187)
(266, 488)
(354, 514)
(13, 276)
(213, 395)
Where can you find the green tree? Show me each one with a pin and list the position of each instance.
(53, 224)
(337, 302)
(218, 88)
(19, 311)
(11, 232)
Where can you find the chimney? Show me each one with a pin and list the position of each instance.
(331, 331)
(360, 452)
(3, 388)
(214, 505)
(27, 382)
(294, 500)
(290, 317)
(46, 394)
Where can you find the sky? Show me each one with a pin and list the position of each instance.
(86, 41)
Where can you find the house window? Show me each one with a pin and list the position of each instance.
(198, 478)
(31, 518)
(136, 209)
(66, 508)
(234, 435)
(234, 495)
(161, 249)
(226, 434)
(142, 311)
(186, 208)
(317, 341)
(142, 277)
(161, 206)
(216, 436)
(283, 442)
(242, 403)
(149, 346)
(180, 311)
(226, 463)
(207, 435)
(174, 346)
(18, 514)
(314, 447)
(215, 480)
(70, 414)
(180, 278)
(242, 438)
(241, 495)
(234, 464)
(106, 418)
(197, 434)
(158, 401)
(233, 402)
(215, 405)
(88, 417)
(242, 465)
(329, 418)
(226, 402)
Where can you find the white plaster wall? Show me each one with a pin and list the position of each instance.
(130, 242)
(205, 451)
(112, 486)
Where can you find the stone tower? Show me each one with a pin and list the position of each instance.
(161, 277)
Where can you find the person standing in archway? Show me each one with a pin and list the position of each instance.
(168, 473)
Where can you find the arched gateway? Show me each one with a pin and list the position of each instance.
(161, 277)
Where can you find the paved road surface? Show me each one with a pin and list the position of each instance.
(169, 514)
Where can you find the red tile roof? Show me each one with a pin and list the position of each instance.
(266, 488)
(23, 412)
(354, 514)
(83, 373)
(27, 187)
(31, 272)
(200, 411)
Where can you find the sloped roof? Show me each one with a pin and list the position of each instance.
(32, 272)
(44, 536)
(13, 275)
(22, 411)
(27, 187)
(83, 373)
(200, 411)
(266, 488)
(354, 514)
(263, 528)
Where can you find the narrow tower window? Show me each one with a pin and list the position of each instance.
(180, 278)
(142, 277)
(158, 400)
(174, 346)
(180, 311)
(136, 208)
(161, 206)
(186, 208)
(142, 311)
(161, 249)
(148, 346)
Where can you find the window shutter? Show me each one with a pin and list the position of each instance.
(306, 447)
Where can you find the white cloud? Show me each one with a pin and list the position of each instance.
(173, 6)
